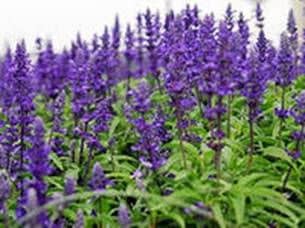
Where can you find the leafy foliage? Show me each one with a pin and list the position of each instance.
(126, 144)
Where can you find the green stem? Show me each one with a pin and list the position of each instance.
(112, 159)
(22, 155)
(5, 217)
(180, 135)
(182, 149)
(100, 223)
(199, 99)
(217, 158)
(282, 108)
(159, 82)
(73, 152)
(298, 147)
(82, 146)
(83, 178)
(230, 99)
(285, 181)
(8, 161)
(153, 220)
(251, 146)
(128, 84)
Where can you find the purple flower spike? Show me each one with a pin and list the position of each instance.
(130, 52)
(254, 85)
(281, 113)
(116, 34)
(286, 69)
(294, 154)
(123, 216)
(141, 98)
(259, 16)
(138, 177)
(229, 17)
(293, 33)
(48, 71)
(298, 114)
(98, 180)
(70, 185)
(38, 155)
(152, 132)
(152, 38)
(56, 108)
(298, 135)
(39, 162)
(79, 223)
(140, 47)
(18, 107)
(244, 32)
(31, 203)
(291, 25)
(4, 189)
(149, 144)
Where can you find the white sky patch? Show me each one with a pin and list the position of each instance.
(60, 20)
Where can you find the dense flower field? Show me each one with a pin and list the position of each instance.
(186, 121)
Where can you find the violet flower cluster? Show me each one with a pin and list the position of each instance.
(18, 106)
(298, 114)
(59, 108)
(150, 128)
(5, 190)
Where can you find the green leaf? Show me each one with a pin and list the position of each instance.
(276, 129)
(54, 181)
(72, 172)
(115, 122)
(235, 145)
(190, 148)
(178, 218)
(279, 219)
(227, 155)
(277, 153)
(57, 162)
(280, 154)
(218, 215)
(238, 202)
(266, 193)
(248, 180)
(70, 214)
(277, 206)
